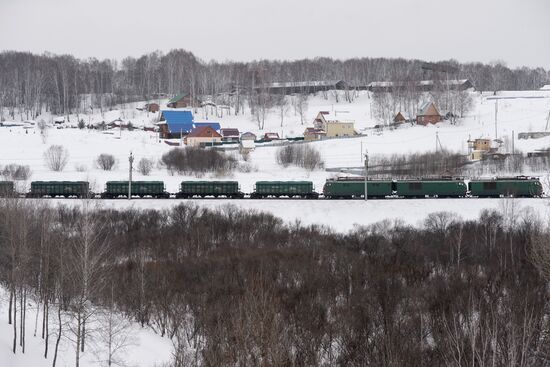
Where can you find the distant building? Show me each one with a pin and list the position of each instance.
(271, 136)
(421, 86)
(214, 125)
(307, 87)
(175, 124)
(479, 148)
(230, 135)
(428, 114)
(312, 133)
(152, 107)
(333, 127)
(399, 118)
(184, 100)
(248, 136)
(203, 135)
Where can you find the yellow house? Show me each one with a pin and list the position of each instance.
(332, 126)
(336, 128)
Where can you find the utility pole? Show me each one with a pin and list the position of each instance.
(496, 118)
(513, 138)
(131, 160)
(366, 174)
(547, 121)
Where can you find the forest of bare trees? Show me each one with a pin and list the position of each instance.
(239, 288)
(64, 85)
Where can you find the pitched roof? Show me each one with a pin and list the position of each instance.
(428, 109)
(227, 132)
(178, 97)
(178, 120)
(203, 132)
(213, 125)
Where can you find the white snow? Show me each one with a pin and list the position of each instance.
(145, 348)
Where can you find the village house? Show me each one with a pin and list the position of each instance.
(333, 127)
(175, 124)
(312, 133)
(479, 148)
(184, 100)
(230, 135)
(271, 136)
(248, 136)
(428, 114)
(307, 87)
(399, 118)
(203, 135)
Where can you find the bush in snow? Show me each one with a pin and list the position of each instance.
(197, 161)
(16, 172)
(145, 166)
(56, 157)
(81, 124)
(304, 156)
(106, 161)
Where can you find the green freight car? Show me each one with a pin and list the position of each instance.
(115, 189)
(229, 189)
(520, 186)
(79, 189)
(441, 188)
(347, 188)
(7, 188)
(302, 189)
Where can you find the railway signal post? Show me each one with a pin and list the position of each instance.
(131, 160)
(366, 174)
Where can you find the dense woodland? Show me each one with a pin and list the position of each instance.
(62, 84)
(237, 288)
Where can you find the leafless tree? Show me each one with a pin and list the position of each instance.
(145, 166)
(106, 161)
(56, 157)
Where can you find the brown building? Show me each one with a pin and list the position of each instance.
(428, 114)
(152, 107)
(230, 134)
(203, 135)
(271, 136)
(312, 133)
(184, 101)
(399, 118)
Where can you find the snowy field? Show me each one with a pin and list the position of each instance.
(26, 146)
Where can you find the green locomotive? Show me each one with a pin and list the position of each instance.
(349, 188)
(155, 189)
(79, 189)
(441, 188)
(520, 186)
(229, 189)
(302, 189)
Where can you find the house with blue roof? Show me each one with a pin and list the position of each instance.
(174, 124)
(177, 123)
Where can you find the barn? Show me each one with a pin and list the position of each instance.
(428, 114)
(184, 100)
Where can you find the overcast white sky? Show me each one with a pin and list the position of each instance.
(515, 31)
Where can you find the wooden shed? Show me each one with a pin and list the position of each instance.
(428, 114)
(184, 100)
(399, 118)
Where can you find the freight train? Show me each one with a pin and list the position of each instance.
(340, 188)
